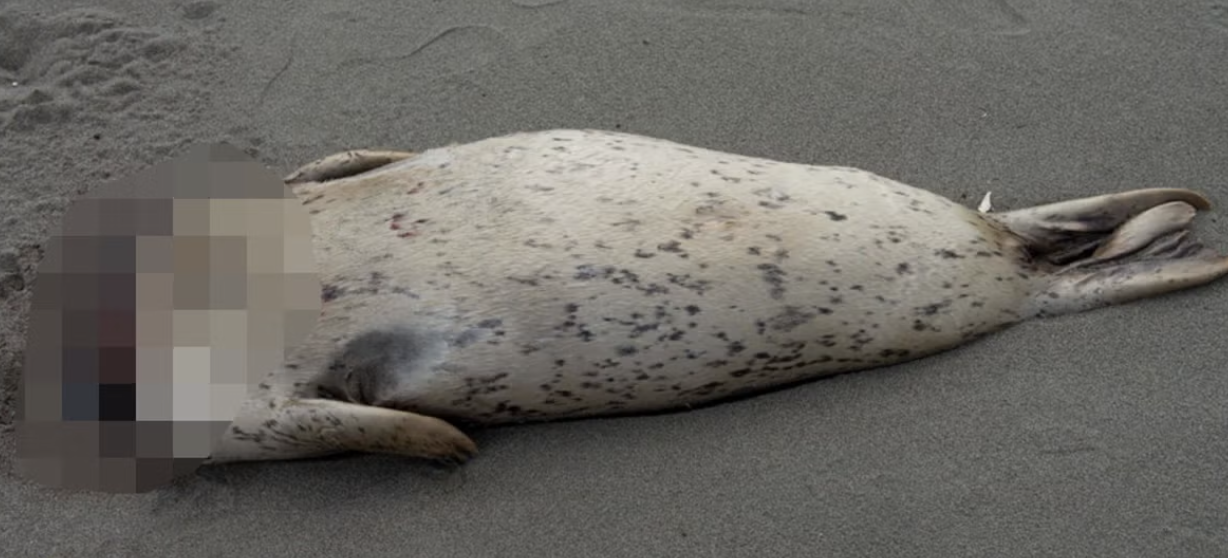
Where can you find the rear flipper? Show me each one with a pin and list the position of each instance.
(1058, 228)
(290, 428)
(346, 163)
(1115, 249)
(1126, 282)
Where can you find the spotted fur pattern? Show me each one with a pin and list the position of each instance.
(574, 273)
(577, 273)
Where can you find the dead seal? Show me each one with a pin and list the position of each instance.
(566, 274)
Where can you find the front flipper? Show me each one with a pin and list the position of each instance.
(1116, 248)
(346, 163)
(291, 428)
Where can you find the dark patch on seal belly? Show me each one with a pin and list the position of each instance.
(836, 216)
(366, 367)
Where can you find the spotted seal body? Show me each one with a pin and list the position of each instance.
(567, 274)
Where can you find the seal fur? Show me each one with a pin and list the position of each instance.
(579, 273)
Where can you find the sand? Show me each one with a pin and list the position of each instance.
(1099, 434)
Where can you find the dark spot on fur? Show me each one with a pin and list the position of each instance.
(932, 309)
(331, 292)
(587, 272)
(836, 216)
(774, 277)
(699, 286)
(790, 318)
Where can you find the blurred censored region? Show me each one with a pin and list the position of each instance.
(160, 305)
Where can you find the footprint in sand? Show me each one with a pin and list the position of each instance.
(86, 66)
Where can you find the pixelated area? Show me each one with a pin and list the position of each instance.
(162, 302)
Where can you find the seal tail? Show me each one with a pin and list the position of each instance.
(1116, 248)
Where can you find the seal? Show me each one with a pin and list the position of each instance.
(577, 273)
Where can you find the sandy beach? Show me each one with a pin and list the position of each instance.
(1102, 434)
